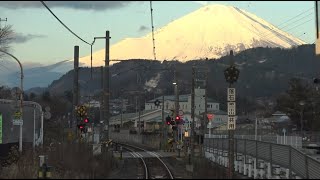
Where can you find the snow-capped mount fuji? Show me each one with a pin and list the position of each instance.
(209, 32)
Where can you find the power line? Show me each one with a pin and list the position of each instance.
(295, 16)
(153, 40)
(300, 24)
(272, 35)
(289, 24)
(297, 20)
(291, 19)
(63, 23)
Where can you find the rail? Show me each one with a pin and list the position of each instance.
(151, 153)
(135, 154)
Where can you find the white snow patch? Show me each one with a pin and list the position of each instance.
(152, 83)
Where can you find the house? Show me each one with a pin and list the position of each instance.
(219, 118)
(151, 121)
(184, 102)
(151, 117)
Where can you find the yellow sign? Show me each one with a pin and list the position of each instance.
(17, 115)
(70, 136)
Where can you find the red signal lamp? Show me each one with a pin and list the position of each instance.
(86, 120)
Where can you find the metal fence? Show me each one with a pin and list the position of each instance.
(295, 141)
(298, 163)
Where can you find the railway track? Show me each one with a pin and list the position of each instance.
(153, 166)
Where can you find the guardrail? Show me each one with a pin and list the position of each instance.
(264, 157)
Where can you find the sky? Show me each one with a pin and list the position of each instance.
(41, 39)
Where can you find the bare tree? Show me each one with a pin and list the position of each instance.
(6, 37)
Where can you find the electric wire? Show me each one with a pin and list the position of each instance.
(279, 25)
(64, 24)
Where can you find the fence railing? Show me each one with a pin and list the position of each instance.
(298, 163)
(295, 141)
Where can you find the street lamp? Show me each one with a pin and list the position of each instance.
(21, 96)
(301, 103)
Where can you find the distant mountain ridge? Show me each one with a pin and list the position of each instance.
(209, 32)
(264, 72)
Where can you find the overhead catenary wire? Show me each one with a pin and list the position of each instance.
(63, 23)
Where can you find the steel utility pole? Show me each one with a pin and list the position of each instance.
(21, 97)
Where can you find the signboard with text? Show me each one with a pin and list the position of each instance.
(232, 122)
(231, 109)
(17, 122)
(231, 94)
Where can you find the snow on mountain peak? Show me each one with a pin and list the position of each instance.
(209, 32)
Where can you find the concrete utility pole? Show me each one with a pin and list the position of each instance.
(164, 127)
(231, 138)
(231, 75)
(192, 115)
(205, 118)
(176, 106)
(75, 86)
(122, 105)
(106, 87)
(101, 98)
(139, 121)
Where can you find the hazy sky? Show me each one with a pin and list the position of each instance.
(42, 39)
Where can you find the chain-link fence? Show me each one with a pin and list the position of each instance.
(285, 156)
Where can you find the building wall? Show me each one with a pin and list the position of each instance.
(186, 106)
(219, 120)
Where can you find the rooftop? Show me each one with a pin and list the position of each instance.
(218, 112)
(182, 98)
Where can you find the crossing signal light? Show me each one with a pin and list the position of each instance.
(82, 127)
(86, 120)
(178, 119)
(168, 120)
(172, 122)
